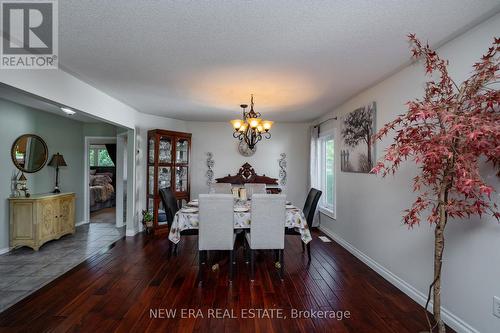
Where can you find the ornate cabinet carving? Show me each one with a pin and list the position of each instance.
(40, 218)
(48, 215)
(66, 215)
(168, 166)
(247, 174)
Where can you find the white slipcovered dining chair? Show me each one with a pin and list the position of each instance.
(221, 188)
(267, 228)
(255, 188)
(216, 227)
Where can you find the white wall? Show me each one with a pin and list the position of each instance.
(369, 208)
(216, 137)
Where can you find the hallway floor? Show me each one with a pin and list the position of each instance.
(105, 215)
(23, 270)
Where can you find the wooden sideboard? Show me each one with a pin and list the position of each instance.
(41, 218)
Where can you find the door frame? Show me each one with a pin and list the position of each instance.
(86, 190)
(121, 159)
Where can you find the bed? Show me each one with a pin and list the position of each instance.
(101, 191)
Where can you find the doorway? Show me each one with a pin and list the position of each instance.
(108, 155)
(102, 162)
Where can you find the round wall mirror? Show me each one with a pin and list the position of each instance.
(29, 153)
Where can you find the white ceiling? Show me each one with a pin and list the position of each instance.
(199, 60)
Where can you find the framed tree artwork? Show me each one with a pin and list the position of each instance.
(357, 151)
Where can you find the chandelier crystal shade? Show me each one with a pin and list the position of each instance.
(251, 128)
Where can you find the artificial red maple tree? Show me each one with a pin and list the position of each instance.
(448, 133)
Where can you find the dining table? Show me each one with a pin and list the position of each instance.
(188, 218)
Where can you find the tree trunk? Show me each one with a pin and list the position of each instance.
(438, 257)
(435, 287)
(438, 262)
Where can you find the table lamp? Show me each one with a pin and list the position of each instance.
(57, 161)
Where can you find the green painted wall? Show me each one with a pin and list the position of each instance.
(61, 135)
(99, 129)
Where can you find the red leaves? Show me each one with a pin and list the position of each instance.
(446, 133)
(412, 216)
(487, 190)
(378, 168)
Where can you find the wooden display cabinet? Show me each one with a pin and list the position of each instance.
(168, 166)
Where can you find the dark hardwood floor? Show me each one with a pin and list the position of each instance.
(115, 291)
(105, 215)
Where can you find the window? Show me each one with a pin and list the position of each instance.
(326, 178)
(98, 156)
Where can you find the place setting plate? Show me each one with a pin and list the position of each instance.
(289, 206)
(241, 209)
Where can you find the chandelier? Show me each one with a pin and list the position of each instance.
(251, 128)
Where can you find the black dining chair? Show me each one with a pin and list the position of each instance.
(171, 208)
(309, 210)
(169, 204)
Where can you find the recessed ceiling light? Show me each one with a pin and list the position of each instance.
(68, 111)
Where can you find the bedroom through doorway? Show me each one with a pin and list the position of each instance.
(102, 182)
(106, 174)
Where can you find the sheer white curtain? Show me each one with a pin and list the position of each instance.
(314, 175)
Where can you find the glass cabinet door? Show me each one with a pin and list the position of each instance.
(164, 177)
(151, 150)
(181, 179)
(165, 150)
(151, 180)
(181, 150)
(151, 205)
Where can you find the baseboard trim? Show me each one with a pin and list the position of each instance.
(4, 250)
(81, 223)
(131, 233)
(449, 318)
